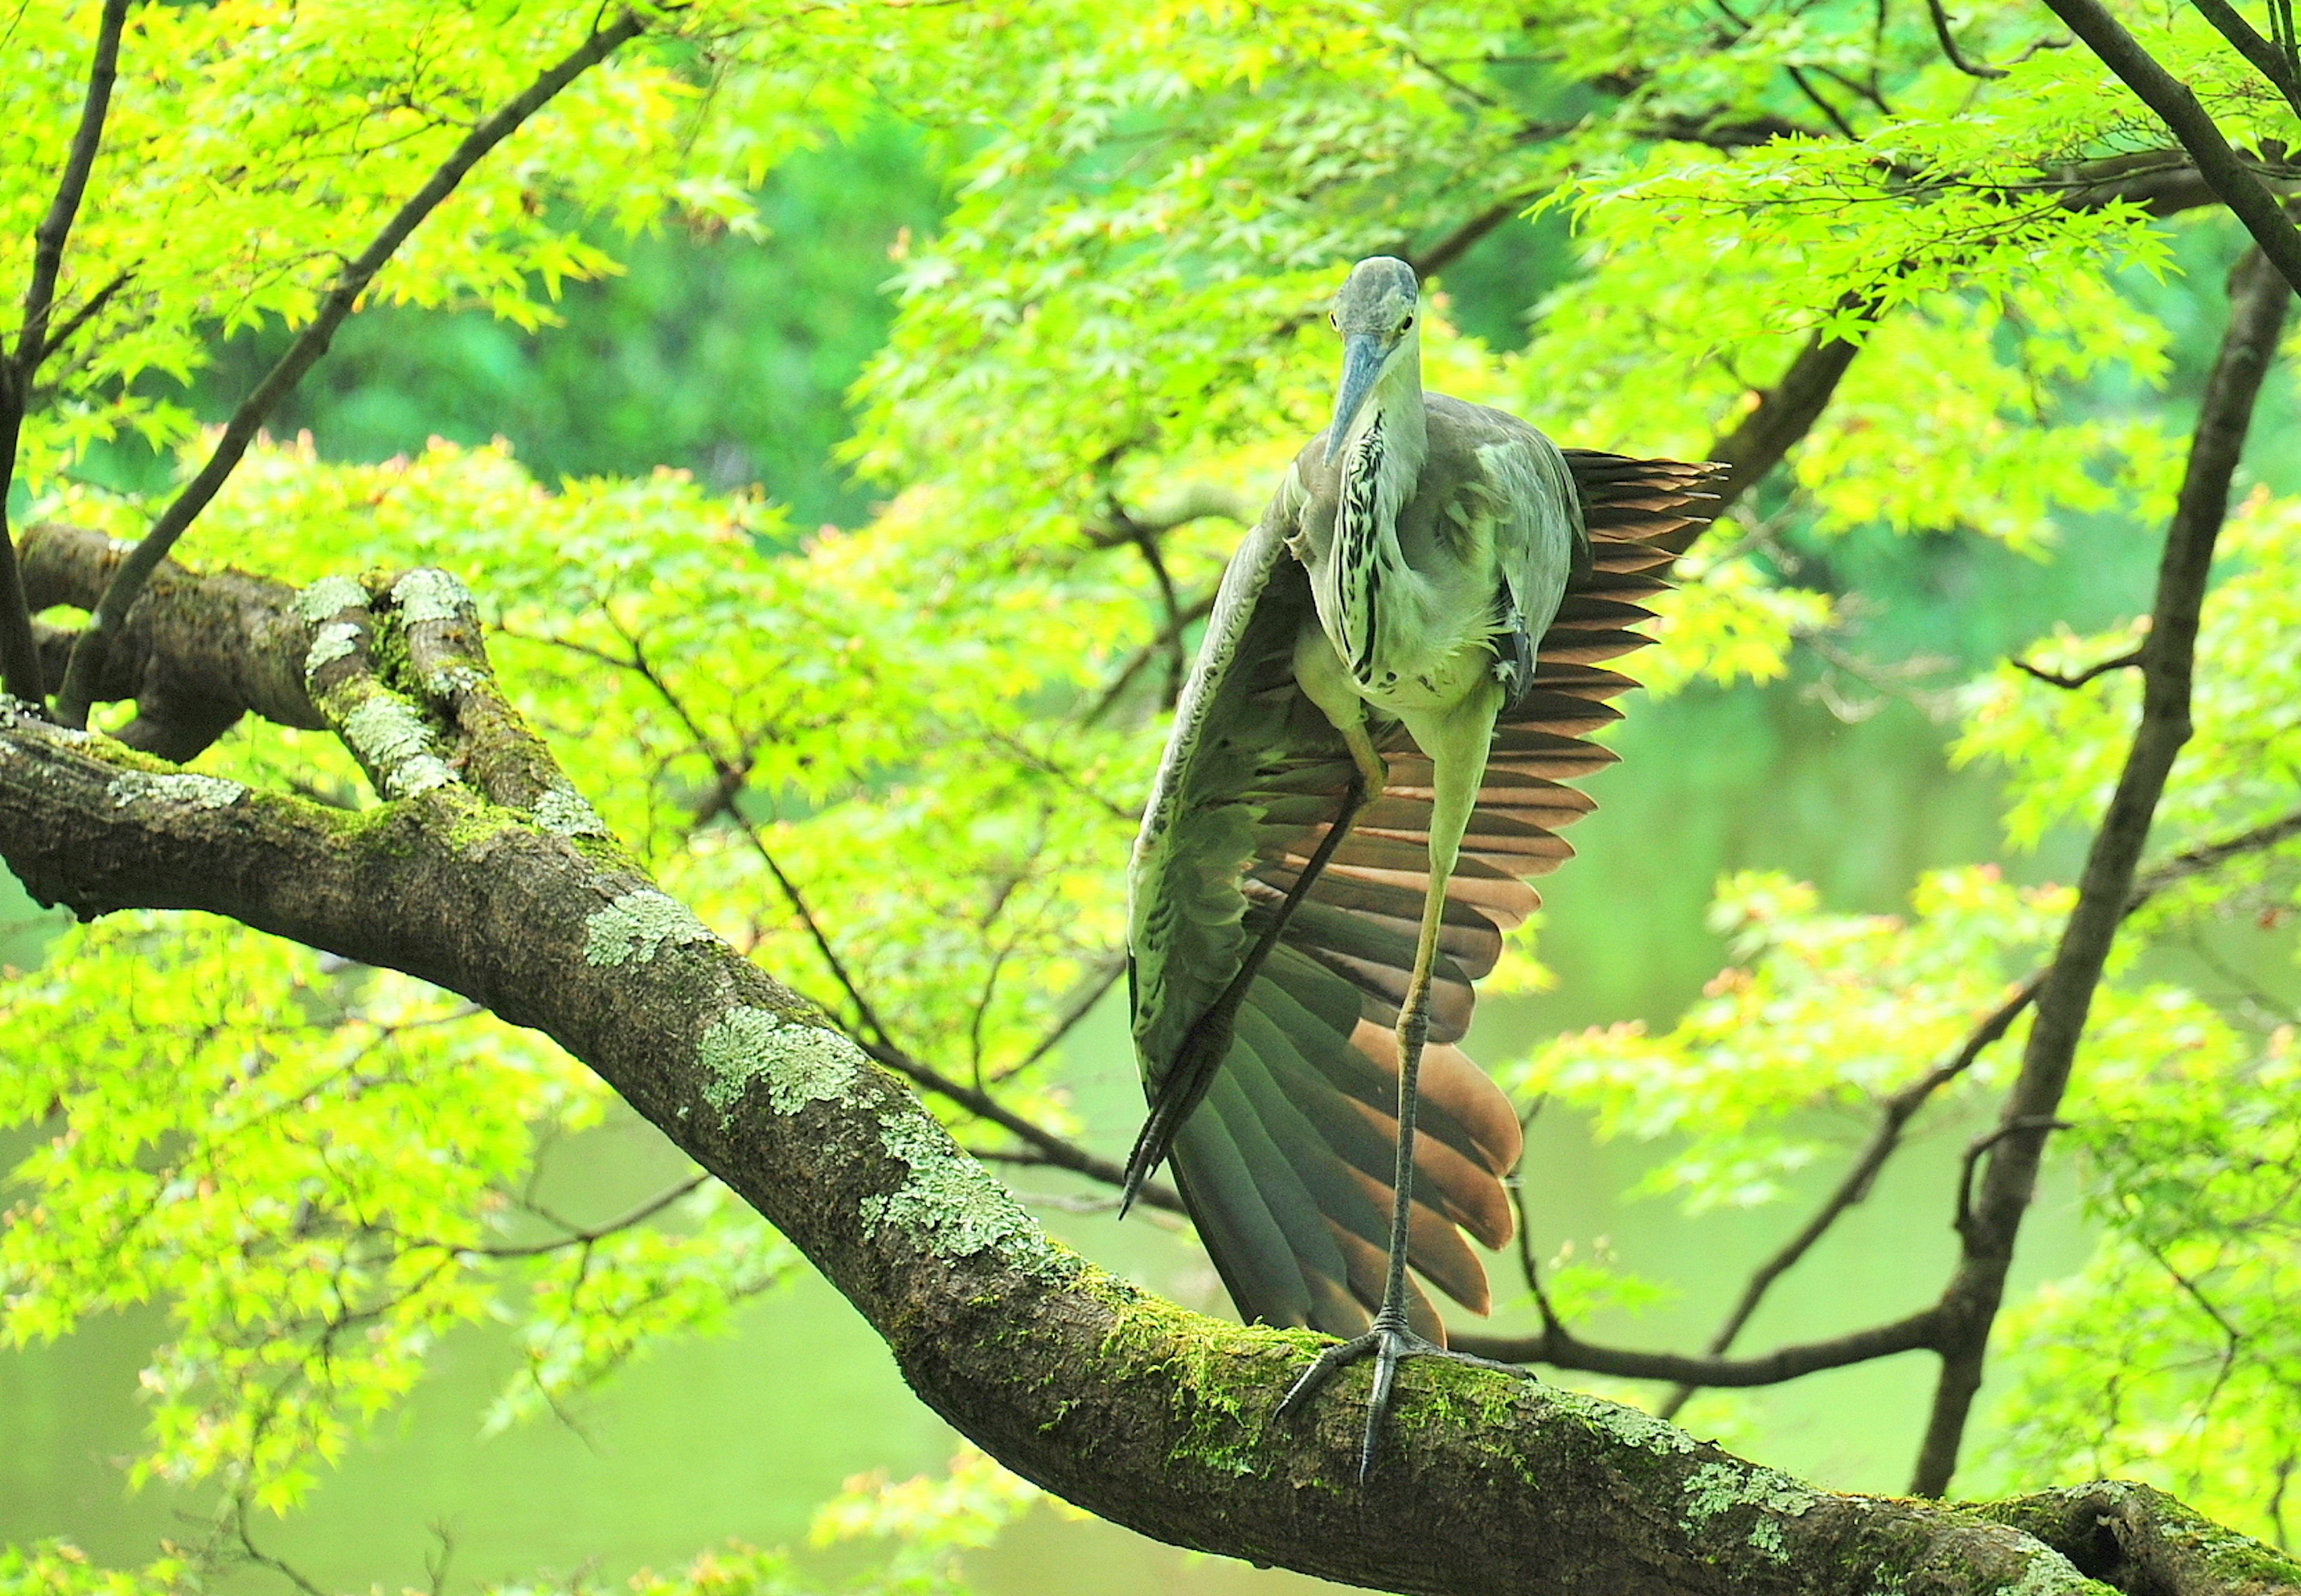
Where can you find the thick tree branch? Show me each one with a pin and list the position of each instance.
(2106, 887)
(2177, 108)
(1784, 414)
(79, 689)
(482, 873)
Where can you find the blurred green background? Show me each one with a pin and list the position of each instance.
(729, 357)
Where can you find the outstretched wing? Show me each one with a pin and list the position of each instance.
(1283, 1145)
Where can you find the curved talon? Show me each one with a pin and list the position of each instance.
(1389, 1346)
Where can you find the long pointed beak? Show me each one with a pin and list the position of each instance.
(1362, 357)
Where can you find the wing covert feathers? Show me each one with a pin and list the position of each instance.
(1285, 1162)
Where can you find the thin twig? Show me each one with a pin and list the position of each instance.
(86, 313)
(586, 1235)
(1090, 994)
(77, 695)
(436, 1564)
(2058, 679)
(1957, 57)
(257, 1554)
(1171, 608)
(1561, 1348)
(1962, 1219)
(54, 230)
(1829, 112)
(1169, 636)
(1900, 1109)
(20, 653)
(1052, 1149)
(2207, 855)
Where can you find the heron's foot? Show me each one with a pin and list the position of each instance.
(1389, 1343)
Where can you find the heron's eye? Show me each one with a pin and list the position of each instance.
(1406, 325)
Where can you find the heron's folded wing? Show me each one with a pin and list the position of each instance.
(1284, 1154)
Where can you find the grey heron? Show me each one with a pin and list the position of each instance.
(1366, 768)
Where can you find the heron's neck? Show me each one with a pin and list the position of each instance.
(1394, 412)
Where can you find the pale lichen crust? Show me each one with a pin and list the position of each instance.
(200, 792)
(330, 643)
(2050, 1573)
(1716, 1488)
(327, 597)
(430, 594)
(566, 814)
(947, 1202)
(797, 1064)
(1629, 1426)
(950, 1204)
(637, 925)
(391, 739)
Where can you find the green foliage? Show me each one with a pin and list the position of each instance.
(1819, 1018)
(724, 351)
(319, 1175)
(2174, 1354)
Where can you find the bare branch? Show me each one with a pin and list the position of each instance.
(1445, 251)
(54, 230)
(2059, 678)
(1957, 57)
(78, 694)
(2207, 855)
(1900, 1109)
(1052, 1149)
(2266, 58)
(1786, 411)
(2106, 889)
(1829, 112)
(1561, 1348)
(2177, 108)
(589, 1235)
(1168, 636)
(20, 656)
(87, 312)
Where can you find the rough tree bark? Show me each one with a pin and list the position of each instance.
(482, 870)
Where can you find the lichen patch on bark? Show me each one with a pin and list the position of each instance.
(2050, 1573)
(799, 1063)
(1716, 1488)
(327, 597)
(201, 792)
(330, 643)
(430, 594)
(1628, 1424)
(564, 813)
(639, 926)
(952, 1203)
(393, 740)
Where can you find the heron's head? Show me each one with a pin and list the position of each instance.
(1374, 313)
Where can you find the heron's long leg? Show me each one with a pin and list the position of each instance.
(1457, 742)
